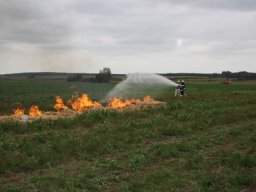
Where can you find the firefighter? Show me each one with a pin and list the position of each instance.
(177, 90)
(182, 88)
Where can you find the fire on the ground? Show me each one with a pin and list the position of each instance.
(82, 103)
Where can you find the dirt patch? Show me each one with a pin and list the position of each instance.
(12, 177)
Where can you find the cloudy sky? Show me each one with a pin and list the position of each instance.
(128, 36)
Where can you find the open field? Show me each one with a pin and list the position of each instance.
(42, 93)
(14, 93)
(205, 141)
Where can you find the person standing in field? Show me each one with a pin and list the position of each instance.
(182, 88)
(177, 90)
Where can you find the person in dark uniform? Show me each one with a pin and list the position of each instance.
(182, 88)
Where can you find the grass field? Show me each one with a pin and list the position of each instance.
(205, 141)
(42, 93)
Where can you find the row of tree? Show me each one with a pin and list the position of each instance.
(103, 76)
(242, 75)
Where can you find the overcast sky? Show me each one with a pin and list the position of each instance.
(128, 36)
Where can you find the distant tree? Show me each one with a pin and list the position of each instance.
(226, 74)
(104, 75)
(31, 76)
(75, 78)
(242, 75)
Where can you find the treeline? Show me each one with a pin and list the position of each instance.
(191, 74)
(242, 75)
(105, 75)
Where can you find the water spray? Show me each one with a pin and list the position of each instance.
(138, 80)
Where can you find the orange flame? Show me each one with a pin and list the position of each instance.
(148, 99)
(131, 101)
(82, 103)
(59, 105)
(19, 111)
(117, 103)
(34, 111)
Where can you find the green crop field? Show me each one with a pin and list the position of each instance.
(205, 141)
(42, 92)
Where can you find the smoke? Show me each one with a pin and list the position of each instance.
(140, 85)
(66, 62)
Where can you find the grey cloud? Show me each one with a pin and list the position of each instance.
(30, 22)
(19, 10)
(99, 7)
(240, 5)
(126, 28)
(44, 23)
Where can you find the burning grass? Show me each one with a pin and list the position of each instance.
(78, 104)
(34, 111)
(59, 105)
(18, 111)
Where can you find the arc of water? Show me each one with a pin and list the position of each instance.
(139, 79)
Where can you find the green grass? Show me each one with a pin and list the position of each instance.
(202, 142)
(26, 93)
